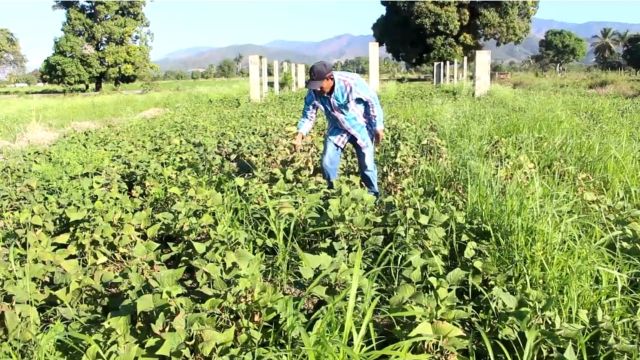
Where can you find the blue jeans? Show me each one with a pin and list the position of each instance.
(368, 172)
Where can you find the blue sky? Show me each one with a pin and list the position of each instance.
(183, 24)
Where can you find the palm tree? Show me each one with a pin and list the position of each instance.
(622, 37)
(604, 45)
(238, 61)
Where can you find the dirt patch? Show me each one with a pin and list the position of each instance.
(152, 113)
(624, 90)
(36, 134)
(602, 90)
(83, 126)
(5, 144)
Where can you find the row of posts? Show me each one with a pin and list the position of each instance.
(259, 82)
(443, 74)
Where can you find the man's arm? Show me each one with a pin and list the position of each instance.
(308, 119)
(376, 117)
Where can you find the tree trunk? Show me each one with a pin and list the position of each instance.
(99, 84)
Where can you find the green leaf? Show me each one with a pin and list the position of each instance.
(306, 272)
(153, 231)
(423, 219)
(569, 354)
(321, 260)
(145, 303)
(36, 220)
(208, 343)
(11, 320)
(509, 300)
(424, 329)
(403, 292)
(206, 220)
(75, 214)
(71, 266)
(168, 277)
(128, 229)
(438, 218)
(226, 336)
(61, 239)
(470, 250)
(436, 234)
(171, 342)
(243, 258)
(456, 276)
(445, 329)
(199, 247)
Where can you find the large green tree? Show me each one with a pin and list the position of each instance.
(604, 46)
(421, 32)
(102, 41)
(631, 52)
(226, 68)
(561, 47)
(11, 56)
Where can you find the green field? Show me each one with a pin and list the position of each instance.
(56, 112)
(509, 228)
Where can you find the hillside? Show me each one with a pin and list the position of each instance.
(347, 46)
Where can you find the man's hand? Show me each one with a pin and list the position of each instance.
(379, 136)
(297, 143)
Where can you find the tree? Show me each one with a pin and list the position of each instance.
(227, 68)
(196, 74)
(11, 56)
(604, 46)
(238, 61)
(210, 72)
(359, 64)
(101, 41)
(631, 52)
(622, 37)
(421, 32)
(560, 47)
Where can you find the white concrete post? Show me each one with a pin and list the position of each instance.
(464, 70)
(455, 71)
(447, 75)
(276, 77)
(434, 72)
(294, 79)
(254, 77)
(301, 74)
(441, 72)
(265, 80)
(374, 66)
(482, 73)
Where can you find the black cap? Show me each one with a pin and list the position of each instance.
(317, 73)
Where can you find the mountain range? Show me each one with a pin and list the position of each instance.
(348, 46)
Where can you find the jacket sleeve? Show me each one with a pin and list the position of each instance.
(363, 92)
(309, 111)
